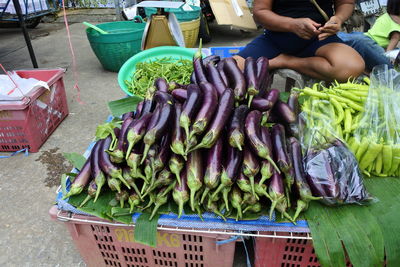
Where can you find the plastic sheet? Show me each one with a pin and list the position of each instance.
(331, 169)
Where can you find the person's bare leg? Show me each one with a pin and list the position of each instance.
(333, 61)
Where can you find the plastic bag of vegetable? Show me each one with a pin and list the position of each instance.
(376, 141)
(331, 170)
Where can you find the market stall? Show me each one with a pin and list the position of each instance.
(201, 154)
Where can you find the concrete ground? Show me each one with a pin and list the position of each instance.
(28, 237)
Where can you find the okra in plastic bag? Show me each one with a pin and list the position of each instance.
(331, 169)
(376, 141)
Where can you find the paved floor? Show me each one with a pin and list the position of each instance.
(27, 184)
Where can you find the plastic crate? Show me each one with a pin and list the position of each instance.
(29, 122)
(225, 51)
(102, 243)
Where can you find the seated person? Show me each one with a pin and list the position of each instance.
(382, 37)
(297, 38)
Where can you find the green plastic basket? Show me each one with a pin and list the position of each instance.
(113, 49)
(128, 69)
(180, 14)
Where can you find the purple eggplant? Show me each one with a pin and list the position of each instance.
(179, 94)
(136, 131)
(148, 104)
(276, 191)
(220, 68)
(272, 96)
(177, 142)
(283, 110)
(138, 110)
(293, 102)
(206, 112)
(133, 161)
(174, 85)
(162, 98)
(236, 127)
(193, 79)
(162, 157)
(176, 164)
(198, 66)
(253, 133)
(195, 174)
(211, 59)
(92, 189)
(301, 184)
(250, 167)
(127, 115)
(181, 192)
(82, 179)
(221, 116)
(153, 134)
(108, 167)
(236, 78)
(161, 85)
(215, 78)
(261, 103)
(118, 154)
(281, 153)
(263, 77)
(212, 175)
(236, 201)
(250, 74)
(97, 173)
(266, 166)
(229, 174)
(190, 107)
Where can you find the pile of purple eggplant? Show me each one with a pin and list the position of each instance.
(220, 144)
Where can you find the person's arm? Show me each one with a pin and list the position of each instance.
(394, 40)
(343, 11)
(303, 27)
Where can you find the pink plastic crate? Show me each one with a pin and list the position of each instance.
(29, 122)
(285, 252)
(101, 243)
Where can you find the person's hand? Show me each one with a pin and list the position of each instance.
(331, 27)
(306, 28)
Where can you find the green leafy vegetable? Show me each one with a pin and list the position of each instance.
(168, 68)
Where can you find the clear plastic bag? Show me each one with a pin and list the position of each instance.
(376, 141)
(331, 169)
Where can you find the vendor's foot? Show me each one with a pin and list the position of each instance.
(279, 62)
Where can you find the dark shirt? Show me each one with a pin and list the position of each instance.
(303, 9)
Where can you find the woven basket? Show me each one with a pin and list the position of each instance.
(190, 31)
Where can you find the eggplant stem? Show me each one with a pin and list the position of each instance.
(206, 191)
(225, 193)
(97, 193)
(250, 100)
(121, 203)
(178, 178)
(219, 214)
(273, 164)
(128, 151)
(237, 144)
(253, 191)
(180, 208)
(199, 213)
(239, 213)
(156, 207)
(144, 155)
(85, 201)
(137, 190)
(124, 181)
(301, 205)
(192, 193)
(220, 187)
(273, 205)
(74, 190)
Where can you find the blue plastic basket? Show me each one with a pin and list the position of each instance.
(225, 51)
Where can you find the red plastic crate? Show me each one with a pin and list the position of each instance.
(102, 243)
(29, 122)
